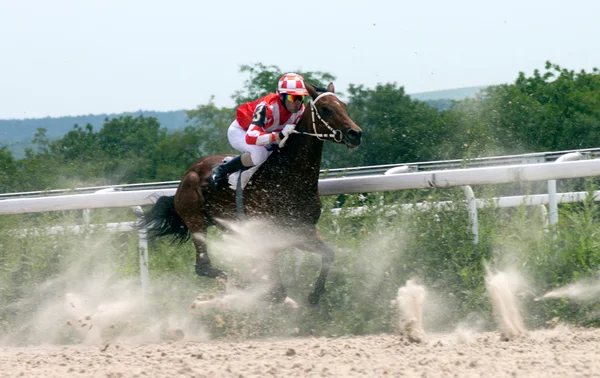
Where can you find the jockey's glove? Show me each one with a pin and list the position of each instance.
(288, 129)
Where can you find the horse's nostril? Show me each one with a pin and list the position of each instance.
(354, 134)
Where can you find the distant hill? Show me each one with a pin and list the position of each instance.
(447, 94)
(18, 133)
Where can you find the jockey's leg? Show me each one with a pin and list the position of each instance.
(219, 173)
(251, 155)
(237, 138)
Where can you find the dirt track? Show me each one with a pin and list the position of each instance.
(549, 353)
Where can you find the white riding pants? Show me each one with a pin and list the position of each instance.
(237, 139)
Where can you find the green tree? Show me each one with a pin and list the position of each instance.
(8, 171)
(39, 169)
(396, 128)
(78, 144)
(465, 134)
(81, 158)
(209, 133)
(555, 110)
(131, 146)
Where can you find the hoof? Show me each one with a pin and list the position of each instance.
(291, 304)
(210, 272)
(313, 298)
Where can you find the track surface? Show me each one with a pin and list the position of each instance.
(560, 352)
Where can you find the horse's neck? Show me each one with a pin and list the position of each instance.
(306, 150)
(297, 165)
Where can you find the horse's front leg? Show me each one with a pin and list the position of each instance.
(317, 245)
(327, 257)
(276, 292)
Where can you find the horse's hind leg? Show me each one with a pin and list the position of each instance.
(190, 205)
(203, 265)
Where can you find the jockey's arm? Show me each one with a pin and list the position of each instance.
(258, 136)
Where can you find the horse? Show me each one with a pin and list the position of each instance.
(284, 190)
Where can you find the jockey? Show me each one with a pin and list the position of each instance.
(260, 123)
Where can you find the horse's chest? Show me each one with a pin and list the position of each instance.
(297, 207)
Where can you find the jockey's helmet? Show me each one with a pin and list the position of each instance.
(292, 83)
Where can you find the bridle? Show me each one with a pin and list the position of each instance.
(336, 135)
(313, 111)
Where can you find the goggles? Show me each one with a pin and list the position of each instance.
(294, 98)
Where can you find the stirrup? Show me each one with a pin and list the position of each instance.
(218, 177)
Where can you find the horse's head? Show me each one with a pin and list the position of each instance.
(327, 118)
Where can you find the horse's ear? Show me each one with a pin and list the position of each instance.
(311, 91)
(330, 88)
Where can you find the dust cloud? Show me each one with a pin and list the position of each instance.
(414, 306)
(410, 301)
(251, 247)
(87, 303)
(502, 288)
(583, 290)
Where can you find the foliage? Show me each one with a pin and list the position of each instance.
(8, 170)
(211, 123)
(18, 132)
(397, 129)
(555, 110)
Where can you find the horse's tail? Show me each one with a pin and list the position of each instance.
(163, 220)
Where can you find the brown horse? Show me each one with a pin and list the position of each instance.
(284, 190)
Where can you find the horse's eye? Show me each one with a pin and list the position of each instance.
(326, 111)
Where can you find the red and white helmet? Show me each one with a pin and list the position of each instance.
(292, 83)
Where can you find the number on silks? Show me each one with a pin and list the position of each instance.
(259, 115)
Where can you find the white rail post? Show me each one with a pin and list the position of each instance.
(85, 215)
(472, 209)
(143, 252)
(552, 202)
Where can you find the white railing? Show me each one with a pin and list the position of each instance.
(345, 185)
(491, 161)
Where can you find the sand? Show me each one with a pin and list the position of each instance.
(560, 352)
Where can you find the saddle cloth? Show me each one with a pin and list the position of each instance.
(246, 175)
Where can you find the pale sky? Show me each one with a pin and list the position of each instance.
(74, 57)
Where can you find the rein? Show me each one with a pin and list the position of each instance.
(336, 135)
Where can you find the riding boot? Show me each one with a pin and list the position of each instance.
(220, 173)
